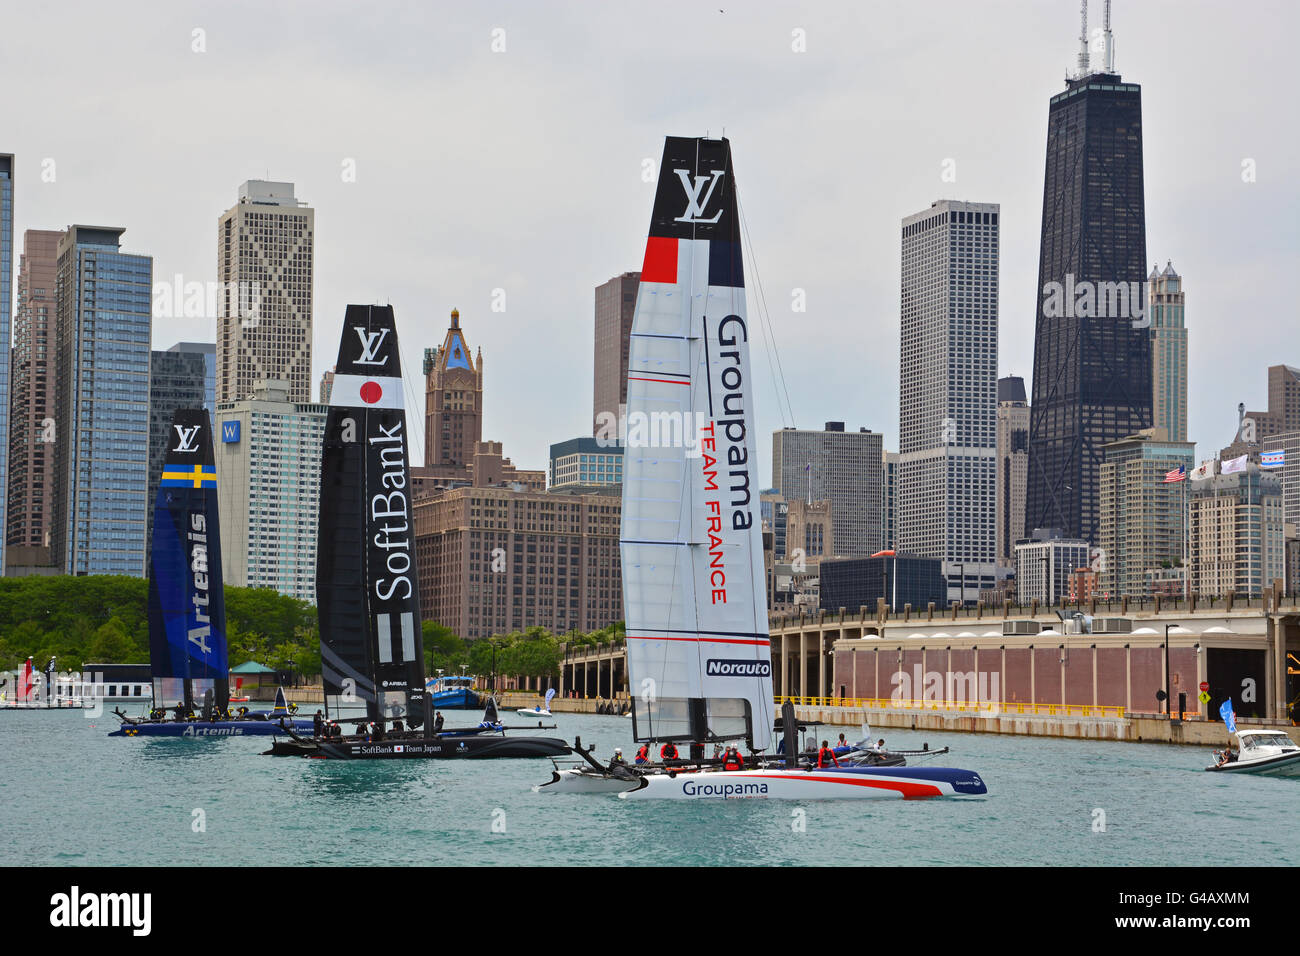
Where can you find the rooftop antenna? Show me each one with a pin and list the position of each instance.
(1083, 39)
(1109, 49)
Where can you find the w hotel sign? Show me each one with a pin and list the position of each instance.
(230, 431)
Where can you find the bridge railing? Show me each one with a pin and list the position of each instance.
(991, 708)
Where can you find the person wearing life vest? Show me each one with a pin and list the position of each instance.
(668, 751)
(732, 760)
(643, 755)
(826, 756)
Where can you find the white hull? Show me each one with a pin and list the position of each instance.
(1274, 766)
(801, 785)
(581, 781)
(534, 712)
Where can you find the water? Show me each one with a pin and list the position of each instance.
(71, 795)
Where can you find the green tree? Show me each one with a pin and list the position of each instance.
(112, 643)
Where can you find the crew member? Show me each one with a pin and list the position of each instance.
(841, 742)
(732, 760)
(826, 756)
(880, 745)
(668, 751)
(643, 755)
(617, 760)
(317, 723)
(437, 723)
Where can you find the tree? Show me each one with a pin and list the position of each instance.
(112, 643)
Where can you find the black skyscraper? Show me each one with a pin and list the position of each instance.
(1092, 354)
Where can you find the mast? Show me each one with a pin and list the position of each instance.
(694, 593)
(367, 593)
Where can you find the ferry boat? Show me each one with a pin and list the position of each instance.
(454, 692)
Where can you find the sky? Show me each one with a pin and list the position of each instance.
(490, 157)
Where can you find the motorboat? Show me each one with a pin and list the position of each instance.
(1270, 753)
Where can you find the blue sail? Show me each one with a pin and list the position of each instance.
(187, 617)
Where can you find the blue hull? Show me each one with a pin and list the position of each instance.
(456, 700)
(962, 781)
(214, 728)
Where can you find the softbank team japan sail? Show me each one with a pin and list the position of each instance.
(694, 596)
(366, 588)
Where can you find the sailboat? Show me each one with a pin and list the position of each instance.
(694, 590)
(367, 592)
(187, 606)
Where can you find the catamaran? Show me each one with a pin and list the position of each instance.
(367, 591)
(694, 591)
(187, 605)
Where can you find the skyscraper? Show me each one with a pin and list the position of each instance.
(1165, 304)
(1283, 413)
(32, 428)
(1235, 533)
(177, 380)
(615, 303)
(209, 352)
(1140, 513)
(948, 391)
(268, 484)
(104, 302)
(453, 405)
(265, 246)
(1092, 347)
(840, 467)
(889, 489)
(1013, 467)
(6, 301)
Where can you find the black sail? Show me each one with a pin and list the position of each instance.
(367, 595)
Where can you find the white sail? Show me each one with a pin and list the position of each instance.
(694, 594)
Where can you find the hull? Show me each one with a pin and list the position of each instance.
(209, 728)
(1286, 765)
(456, 700)
(848, 783)
(435, 748)
(583, 781)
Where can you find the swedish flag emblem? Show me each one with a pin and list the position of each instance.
(200, 476)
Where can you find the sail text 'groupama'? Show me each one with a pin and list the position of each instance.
(732, 429)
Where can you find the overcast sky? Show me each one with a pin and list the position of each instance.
(521, 170)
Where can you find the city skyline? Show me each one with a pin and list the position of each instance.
(518, 216)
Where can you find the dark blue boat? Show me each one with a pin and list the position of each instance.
(454, 692)
(187, 606)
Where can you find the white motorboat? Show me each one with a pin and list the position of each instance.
(1270, 753)
(540, 712)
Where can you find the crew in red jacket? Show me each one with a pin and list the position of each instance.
(668, 751)
(826, 756)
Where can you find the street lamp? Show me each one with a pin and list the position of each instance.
(1168, 701)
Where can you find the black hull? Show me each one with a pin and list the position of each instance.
(446, 748)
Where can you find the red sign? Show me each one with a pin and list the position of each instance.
(1205, 685)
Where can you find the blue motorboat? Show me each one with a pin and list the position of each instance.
(454, 692)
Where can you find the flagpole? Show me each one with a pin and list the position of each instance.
(1187, 565)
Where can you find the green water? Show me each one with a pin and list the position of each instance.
(71, 795)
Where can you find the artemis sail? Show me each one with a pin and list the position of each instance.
(694, 594)
(187, 607)
(367, 595)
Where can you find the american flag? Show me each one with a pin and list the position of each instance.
(1178, 474)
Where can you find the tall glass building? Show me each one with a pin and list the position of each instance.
(6, 304)
(1092, 342)
(103, 302)
(178, 379)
